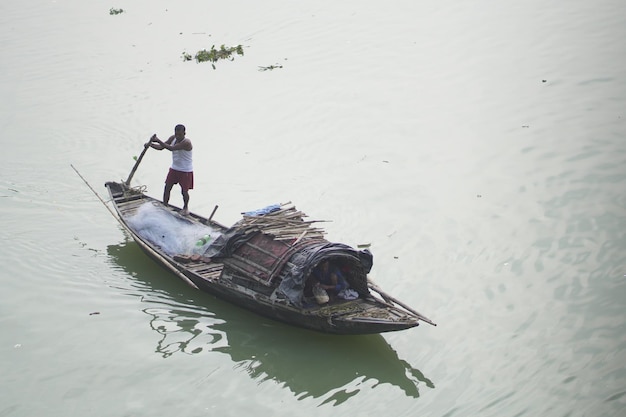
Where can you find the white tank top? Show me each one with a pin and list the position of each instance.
(182, 160)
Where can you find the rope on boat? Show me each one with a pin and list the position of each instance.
(138, 189)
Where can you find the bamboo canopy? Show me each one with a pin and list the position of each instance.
(286, 223)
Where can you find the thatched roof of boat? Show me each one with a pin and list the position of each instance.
(284, 222)
(277, 242)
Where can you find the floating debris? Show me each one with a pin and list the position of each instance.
(113, 11)
(271, 67)
(213, 55)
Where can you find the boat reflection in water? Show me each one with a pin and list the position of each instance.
(265, 349)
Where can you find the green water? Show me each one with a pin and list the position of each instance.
(479, 148)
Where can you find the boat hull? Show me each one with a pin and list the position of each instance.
(367, 314)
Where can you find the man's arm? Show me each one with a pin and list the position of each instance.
(155, 143)
(185, 144)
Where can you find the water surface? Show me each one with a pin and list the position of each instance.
(479, 148)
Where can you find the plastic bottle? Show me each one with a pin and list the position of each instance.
(203, 240)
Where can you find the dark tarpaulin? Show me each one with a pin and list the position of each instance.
(227, 243)
(302, 262)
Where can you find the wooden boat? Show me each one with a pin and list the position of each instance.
(264, 263)
(180, 328)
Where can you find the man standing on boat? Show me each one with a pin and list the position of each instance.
(181, 171)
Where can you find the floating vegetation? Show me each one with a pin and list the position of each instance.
(213, 55)
(271, 67)
(113, 11)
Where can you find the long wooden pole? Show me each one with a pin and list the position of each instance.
(175, 271)
(212, 213)
(132, 172)
(389, 298)
(165, 262)
(97, 195)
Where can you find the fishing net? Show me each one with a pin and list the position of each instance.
(173, 234)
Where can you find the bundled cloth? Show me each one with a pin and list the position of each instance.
(265, 210)
(321, 296)
(348, 294)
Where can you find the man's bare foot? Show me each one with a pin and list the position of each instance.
(184, 212)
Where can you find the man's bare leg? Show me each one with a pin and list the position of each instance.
(185, 209)
(166, 193)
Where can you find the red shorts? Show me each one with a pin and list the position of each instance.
(185, 179)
